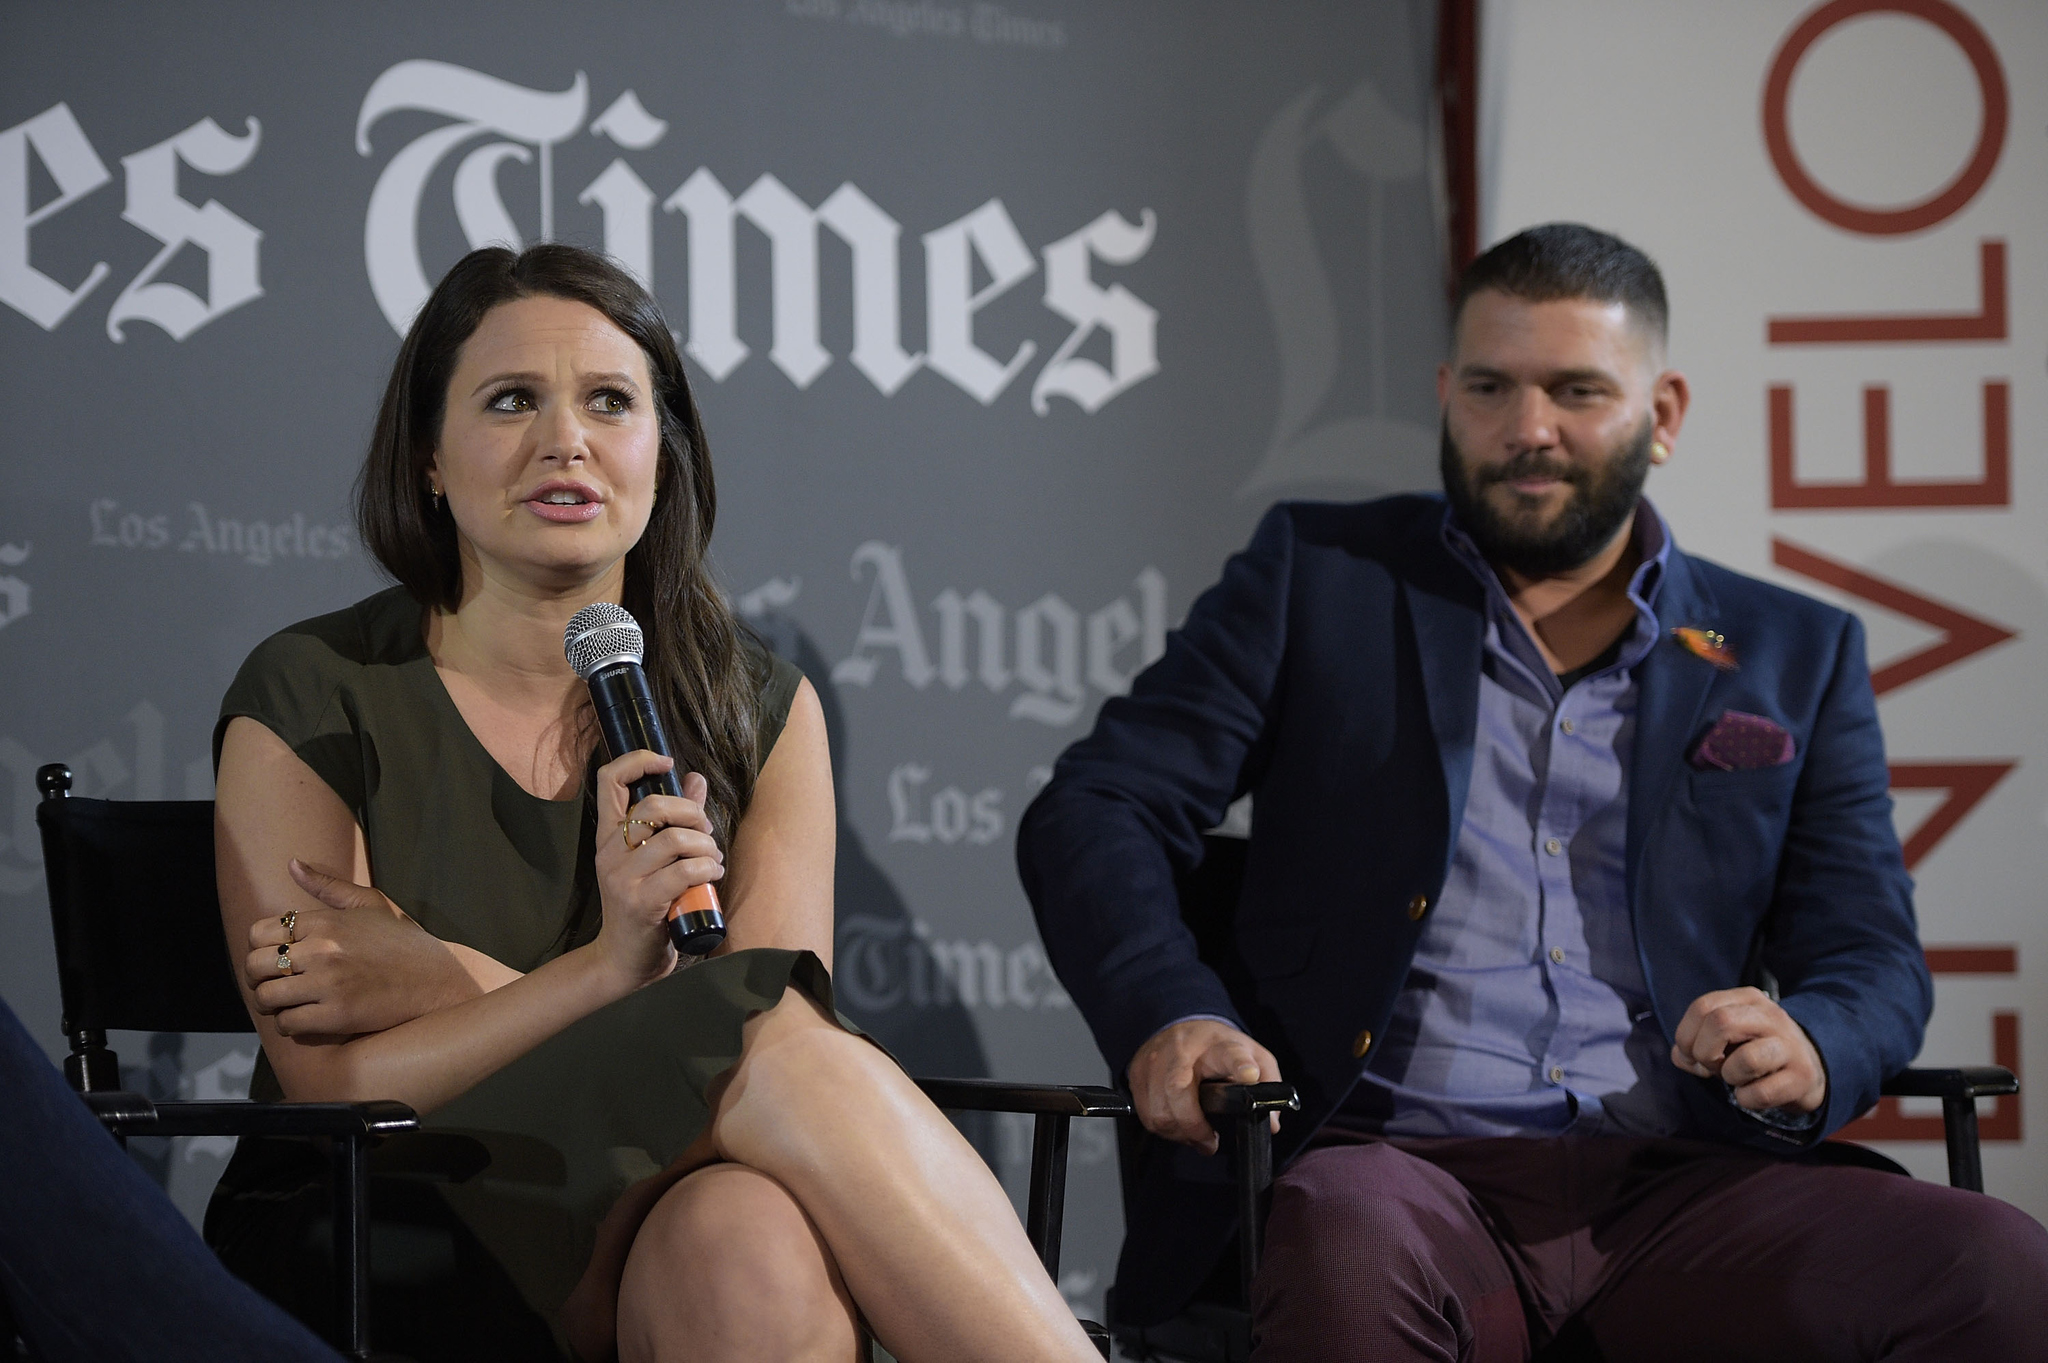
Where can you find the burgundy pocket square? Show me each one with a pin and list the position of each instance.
(1743, 742)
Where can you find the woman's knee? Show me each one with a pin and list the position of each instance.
(727, 1221)
(697, 1268)
(800, 1072)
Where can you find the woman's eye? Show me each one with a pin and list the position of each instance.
(511, 400)
(611, 402)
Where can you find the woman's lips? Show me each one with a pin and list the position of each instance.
(565, 513)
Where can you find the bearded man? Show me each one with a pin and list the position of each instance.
(1539, 800)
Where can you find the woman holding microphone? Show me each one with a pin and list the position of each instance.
(448, 897)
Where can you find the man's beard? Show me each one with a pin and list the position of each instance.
(1602, 501)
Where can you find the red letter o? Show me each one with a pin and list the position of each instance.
(1913, 217)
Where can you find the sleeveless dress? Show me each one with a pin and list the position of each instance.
(478, 1268)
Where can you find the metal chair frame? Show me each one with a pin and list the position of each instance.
(94, 1071)
(1239, 1112)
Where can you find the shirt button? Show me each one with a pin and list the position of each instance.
(1557, 1074)
(1565, 725)
(1553, 846)
(1557, 955)
(1418, 906)
(1360, 1045)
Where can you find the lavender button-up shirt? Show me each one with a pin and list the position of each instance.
(1525, 1011)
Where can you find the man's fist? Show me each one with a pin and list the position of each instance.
(1167, 1072)
(1743, 1037)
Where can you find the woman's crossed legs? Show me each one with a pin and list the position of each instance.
(844, 1195)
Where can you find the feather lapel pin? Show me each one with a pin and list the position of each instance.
(1705, 643)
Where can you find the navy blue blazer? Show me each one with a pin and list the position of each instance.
(1334, 674)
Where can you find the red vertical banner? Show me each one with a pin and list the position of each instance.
(1963, 634)
(1457, 92)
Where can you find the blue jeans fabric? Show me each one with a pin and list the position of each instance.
(95, 1262)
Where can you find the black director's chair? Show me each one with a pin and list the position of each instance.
(136, 916)
(1217, 1327)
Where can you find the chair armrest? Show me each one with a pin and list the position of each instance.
(1052, 1100)
(366, 1121)
(1969, 1081)
(440, 1155)
(118, 1109)
(1223, 1099)
(353, 1127)
(1053, 1108)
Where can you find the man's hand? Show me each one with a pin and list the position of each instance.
(1743, 1037)
(1167, 1072)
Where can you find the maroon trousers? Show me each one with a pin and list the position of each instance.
(1665, 1250)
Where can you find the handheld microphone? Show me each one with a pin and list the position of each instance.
(604, 646)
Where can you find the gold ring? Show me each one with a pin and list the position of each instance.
(284, 962)
(290, 923)
(648, 824)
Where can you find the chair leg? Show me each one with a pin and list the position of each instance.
(1254, 1185)
(352, 1243)
(1045, 1207)
(1965, 1158)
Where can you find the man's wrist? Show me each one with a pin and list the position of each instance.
(1787, 1120)
(1232, 1023)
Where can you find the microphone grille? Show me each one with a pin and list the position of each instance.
(601, 633)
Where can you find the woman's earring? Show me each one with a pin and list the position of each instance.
(435, 493)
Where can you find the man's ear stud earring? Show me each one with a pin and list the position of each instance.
(1659, 451)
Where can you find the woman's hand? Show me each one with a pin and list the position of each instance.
(645, 865)
(359, 963)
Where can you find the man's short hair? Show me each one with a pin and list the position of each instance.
(1570, 260)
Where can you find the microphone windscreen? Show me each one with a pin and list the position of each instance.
(601, 633)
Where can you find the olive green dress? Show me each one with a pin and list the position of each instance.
(464, 849)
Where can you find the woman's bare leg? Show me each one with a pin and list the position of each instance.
(727, 1269)
(923, 1234)
(590, 1315)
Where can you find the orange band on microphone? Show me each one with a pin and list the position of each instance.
(696, 899)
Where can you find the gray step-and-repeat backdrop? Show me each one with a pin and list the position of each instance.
(1007, 320)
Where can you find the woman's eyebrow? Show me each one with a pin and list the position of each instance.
(616, 377)
(524, 376)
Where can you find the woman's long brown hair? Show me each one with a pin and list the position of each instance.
(703, 680)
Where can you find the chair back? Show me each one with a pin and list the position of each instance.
(1208, 900)
(1208, 905)
(135, 913)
